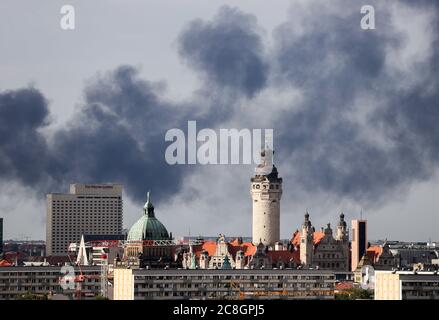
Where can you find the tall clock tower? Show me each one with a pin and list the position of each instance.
(266, 192)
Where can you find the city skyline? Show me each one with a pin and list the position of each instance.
(353, 111)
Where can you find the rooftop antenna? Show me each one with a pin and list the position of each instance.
(361, 214)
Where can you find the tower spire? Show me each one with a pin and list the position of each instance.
(148, 207)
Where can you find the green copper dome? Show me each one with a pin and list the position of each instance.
(148, 227)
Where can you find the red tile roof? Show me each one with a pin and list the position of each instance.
(345, 285)
(5, 263)
(248, 248)
(317, 237)
(374, 252)
(285, 256)
(210, 247)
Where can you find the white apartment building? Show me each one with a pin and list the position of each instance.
(93, 209)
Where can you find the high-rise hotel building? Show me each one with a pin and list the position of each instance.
(92, 209)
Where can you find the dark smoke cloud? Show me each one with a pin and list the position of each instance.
(23, 149)
(228, 51)
(118, 134)
(334, 63)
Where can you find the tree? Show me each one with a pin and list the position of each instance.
(355, 294)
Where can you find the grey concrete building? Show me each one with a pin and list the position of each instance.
(144, 284)
(94, 209)
(47, 280)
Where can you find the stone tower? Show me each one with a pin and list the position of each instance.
(306, 242)
(266, 192)
(343, 237)
(342, 230)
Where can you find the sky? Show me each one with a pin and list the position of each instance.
(354, 111)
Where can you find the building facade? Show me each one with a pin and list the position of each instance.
(266, 193)
(408, 254)
(321, 249)
(94, 209)
(97, 250)
(406, 285)
(237, 254)
(359, 242)
(143, 284)
(381, 257)
(45, 280)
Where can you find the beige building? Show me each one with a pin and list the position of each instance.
(92, 209)
(406, 285)
(359, 242)
(266, 192)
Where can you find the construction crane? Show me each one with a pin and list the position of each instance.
(103, 277)
(79, 280)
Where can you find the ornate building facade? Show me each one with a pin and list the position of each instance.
(236, 254)
(148, 242)
(320, 249)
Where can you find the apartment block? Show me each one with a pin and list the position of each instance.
(45, 280)
(181, 284)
